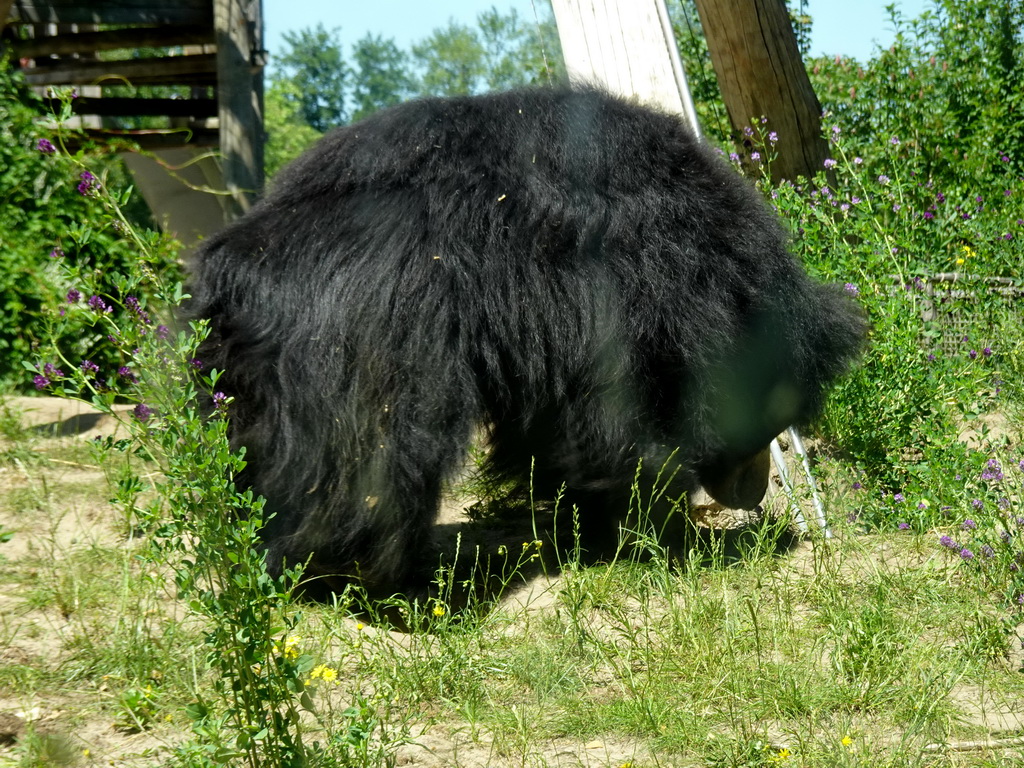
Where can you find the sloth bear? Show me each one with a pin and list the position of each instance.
(568, 272)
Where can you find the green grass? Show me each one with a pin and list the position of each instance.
(866, 650)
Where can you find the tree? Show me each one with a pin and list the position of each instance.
(514, 55)
(288, 135)
(381, 77)
(316, 67)
(451, 60)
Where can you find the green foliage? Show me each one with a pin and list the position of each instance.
(381, 77)
(949, 88)
(313, 87)
(315, 65)
(451, 61)
(43, 204)
(288, 135)
(200, 525)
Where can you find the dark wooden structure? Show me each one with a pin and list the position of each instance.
(207, 127)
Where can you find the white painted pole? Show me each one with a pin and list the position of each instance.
(626, 47)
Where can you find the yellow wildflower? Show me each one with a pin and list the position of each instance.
(323, 672)
(781, 756)
(290, 649)
(439, 610)
(848, 743)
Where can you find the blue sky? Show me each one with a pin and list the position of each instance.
(849, 27)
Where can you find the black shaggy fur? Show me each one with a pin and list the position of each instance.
(569, 271)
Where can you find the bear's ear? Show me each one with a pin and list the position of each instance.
(737, 485)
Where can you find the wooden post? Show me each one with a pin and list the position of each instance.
(760, 71)
(238, 27)
(5, 11)
(627, 47)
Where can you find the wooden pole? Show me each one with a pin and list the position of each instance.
(760, 72)
(238, 27)
(627, 47)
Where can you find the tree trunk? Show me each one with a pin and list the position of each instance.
(761, 74)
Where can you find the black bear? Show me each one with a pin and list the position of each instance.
(570, 272)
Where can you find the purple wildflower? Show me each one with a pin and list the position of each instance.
(851, 289)
(898, 498)
(88, 366)
(73, 296)
(52, 371)
(773, 137)
(46, 146)
(883, 179)
(95, 302)
(755, 156)
(858, 160)
(830, 163)
(904, 526)
(40, 381)
(857, 485)
(992, 471)
(57, 253)
(734, 157)
(973, 354)
(196, 363)
(220, 400)
(966, 554)
(948, 543)
(928, 215)
(162, 331)
(968, 525)
(987, 551)
(987, 351)
(142, 412)
(977, 503)
(894, 141)
(88, 183)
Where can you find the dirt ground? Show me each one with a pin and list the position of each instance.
(72, 723)
(69, 724)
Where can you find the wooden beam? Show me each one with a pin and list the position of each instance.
(128, 107)
(239, 30)
(113, 12)
(113, 39)
(151, 139)
(165, 70)
(626, 46)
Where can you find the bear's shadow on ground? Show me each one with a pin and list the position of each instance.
(497, 548)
